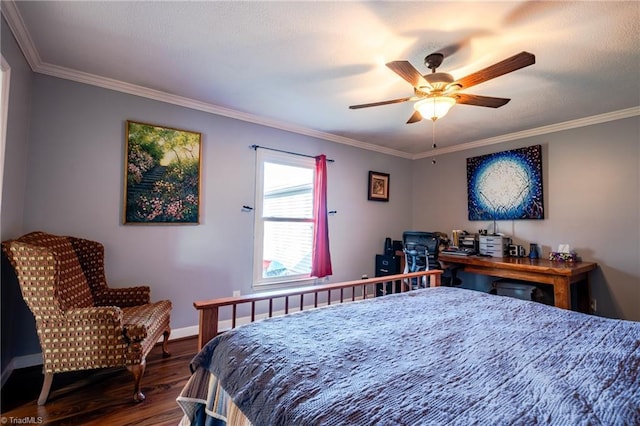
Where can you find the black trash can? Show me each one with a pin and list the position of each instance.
(520, 290)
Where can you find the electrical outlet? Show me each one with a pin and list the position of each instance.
(236, 293)
(594, 305)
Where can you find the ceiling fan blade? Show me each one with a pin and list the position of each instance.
(407, 71)
(453, 48)
(450, 49)
(392, 101)
(415, 117)
(521, 60)
(485, 101)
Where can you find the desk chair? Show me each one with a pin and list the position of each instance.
(421, 254)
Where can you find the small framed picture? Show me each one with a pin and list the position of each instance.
(378, 186)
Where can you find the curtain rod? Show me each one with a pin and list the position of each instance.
(255, 147)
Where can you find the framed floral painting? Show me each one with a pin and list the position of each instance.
(162, 175)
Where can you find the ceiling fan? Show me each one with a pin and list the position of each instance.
(435, 93)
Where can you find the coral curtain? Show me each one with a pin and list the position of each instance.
(321, 258)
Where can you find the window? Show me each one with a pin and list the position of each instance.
(283, 218)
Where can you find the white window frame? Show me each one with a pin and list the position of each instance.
(267, 156)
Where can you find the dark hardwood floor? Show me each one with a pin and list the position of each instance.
(102, 397)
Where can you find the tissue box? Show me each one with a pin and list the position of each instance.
(562, 257)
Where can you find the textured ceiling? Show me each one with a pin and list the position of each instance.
(299, 65)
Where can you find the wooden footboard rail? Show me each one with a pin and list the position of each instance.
(210, 309)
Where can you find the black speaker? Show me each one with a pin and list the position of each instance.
(388, 247)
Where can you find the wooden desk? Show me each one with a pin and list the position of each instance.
(561, 275)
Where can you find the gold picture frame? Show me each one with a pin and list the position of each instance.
(378, 186)
(162, 175)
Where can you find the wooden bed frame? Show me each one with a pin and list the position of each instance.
(210, 309)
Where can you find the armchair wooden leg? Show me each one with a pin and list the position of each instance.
(46, 387)
(165, 344)
(137, 371)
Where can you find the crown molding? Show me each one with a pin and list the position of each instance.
(133, 89)
(26, 44)
(552, 128)
(20, 32)
(19, 29)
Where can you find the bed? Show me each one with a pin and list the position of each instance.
(432, 356)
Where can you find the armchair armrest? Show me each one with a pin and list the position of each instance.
(135, 332)
(104, 315)
(89, 326)
(124, 297)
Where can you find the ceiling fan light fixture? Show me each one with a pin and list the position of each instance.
(435, 107)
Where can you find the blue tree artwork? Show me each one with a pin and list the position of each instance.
(506, 185)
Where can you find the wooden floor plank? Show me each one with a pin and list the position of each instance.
(102, 397)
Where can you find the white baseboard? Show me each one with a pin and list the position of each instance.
(23, 361)
(6, 373)
(31, 360)
(179, 333)
(27, 360)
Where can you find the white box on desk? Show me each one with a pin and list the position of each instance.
(494, 245)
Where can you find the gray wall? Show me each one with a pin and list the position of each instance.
(18, 327)
(64, 174)
(592, 201)
(75, 184)
(14, 179)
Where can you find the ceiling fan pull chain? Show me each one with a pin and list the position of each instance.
(433, 136)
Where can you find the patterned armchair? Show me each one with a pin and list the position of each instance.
(82, 323)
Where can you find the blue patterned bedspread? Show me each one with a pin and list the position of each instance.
(431, 357)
